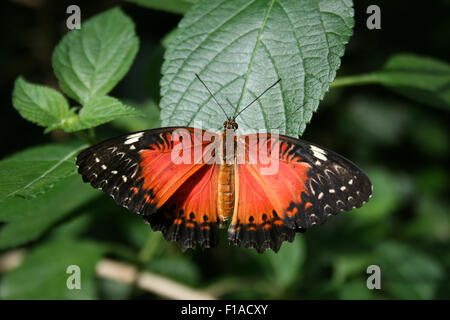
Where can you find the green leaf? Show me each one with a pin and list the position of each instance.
(91, 61)
(285, 266)
(177, 268)
(430, 136)
(423, 79)
(42, 275)
(149, 120)
(406, 272)
(240, 47)
(31, 172)
(75, 226)
(168, 38)
(390, 190)
(377, 119)
(345, 266)
(41, 105)
(100, 110)
(113, 290)
(29, 219)
(355, 290)
(173, 6)
(431, 220)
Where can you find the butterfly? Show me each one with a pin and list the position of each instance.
(189, 182)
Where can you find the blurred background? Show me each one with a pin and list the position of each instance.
(401, 144)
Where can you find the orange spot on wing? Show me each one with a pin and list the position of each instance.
(135, 190)
(178, 221)
(307, 205)
(278, 222)
(293, 212)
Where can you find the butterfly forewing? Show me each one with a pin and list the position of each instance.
(335, 183)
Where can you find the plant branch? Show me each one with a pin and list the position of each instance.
(125, 273)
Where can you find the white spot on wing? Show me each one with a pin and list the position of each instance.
(350, 182)
(320, 195)
(132, 147)
(318, 153)
(124, 178)
(104, 167)
(132, 138)
(331, 191)
(343, 188)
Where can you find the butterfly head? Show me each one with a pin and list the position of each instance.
(230, 124)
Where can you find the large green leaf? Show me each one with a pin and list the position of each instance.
(100, 110)
(41, 105)
(240, 47)
(173, 6)
(423, 79)
(30, 172)
(90, 61)
(29, 219)
(42, 275)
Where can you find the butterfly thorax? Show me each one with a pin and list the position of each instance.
(226, 194)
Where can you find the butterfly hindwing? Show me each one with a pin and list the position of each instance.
(190, 215)
(309, 184)
(143, 173)
(256, 223)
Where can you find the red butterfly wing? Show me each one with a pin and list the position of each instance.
(256, 223)
(190, 215)
(165, 175)
(289, 186)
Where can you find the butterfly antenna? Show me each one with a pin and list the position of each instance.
(229, 102)
(198, 77)
(273, 85)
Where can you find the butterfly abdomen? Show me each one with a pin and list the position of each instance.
(225, 196)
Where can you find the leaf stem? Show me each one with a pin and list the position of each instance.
(87, 135)
(361, 79)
